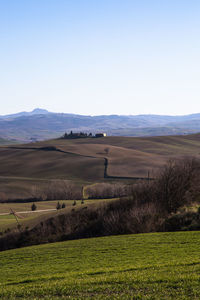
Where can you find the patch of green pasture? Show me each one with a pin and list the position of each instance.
(30, 219)
(42, 205)
(143, 266)
(6, 221)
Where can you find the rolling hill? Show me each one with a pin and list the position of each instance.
(83, 160)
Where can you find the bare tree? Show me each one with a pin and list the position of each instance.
(57, 190)
(174, 186)
(106, 150)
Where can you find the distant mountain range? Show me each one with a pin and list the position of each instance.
(37, 111)
(41, 124)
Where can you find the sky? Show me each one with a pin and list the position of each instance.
(96, 57)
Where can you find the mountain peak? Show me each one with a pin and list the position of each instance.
(39, 111)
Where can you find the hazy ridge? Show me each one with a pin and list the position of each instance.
(41, 124)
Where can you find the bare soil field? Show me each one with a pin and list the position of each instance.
(82, 161)
(132, 156)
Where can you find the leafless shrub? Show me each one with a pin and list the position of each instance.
(175, 185)
(38, 193)
(105, 190)
(143, 218)
(141, 193)
(106, 150)
(130, 218)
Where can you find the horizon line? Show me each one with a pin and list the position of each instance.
(91, 115)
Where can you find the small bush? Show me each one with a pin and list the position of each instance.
(33, 207)
(58, 206)
(182, 221)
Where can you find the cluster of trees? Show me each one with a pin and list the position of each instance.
(76, 135)
(176, 185)
(63, 190)
(59, 189)
(58, 206)
(106, 190)
(150, 204)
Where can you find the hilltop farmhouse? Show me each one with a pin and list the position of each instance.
(78, 135)
(97, 135)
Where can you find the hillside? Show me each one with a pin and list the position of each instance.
(41, 124)
(143, 266)
(22, 169)
(83, 160)
(129, 156)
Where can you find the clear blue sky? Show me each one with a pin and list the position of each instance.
(100, 56)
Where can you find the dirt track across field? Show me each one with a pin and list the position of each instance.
(30, 211)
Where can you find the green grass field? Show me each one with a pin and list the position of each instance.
(143, 266)
(7, 222)
(31, 219)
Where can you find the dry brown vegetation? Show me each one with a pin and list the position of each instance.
(106, 190)
(175, 185)
(57, 190)
(44, 164)
(148, 208)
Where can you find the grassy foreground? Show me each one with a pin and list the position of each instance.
(143, 266)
